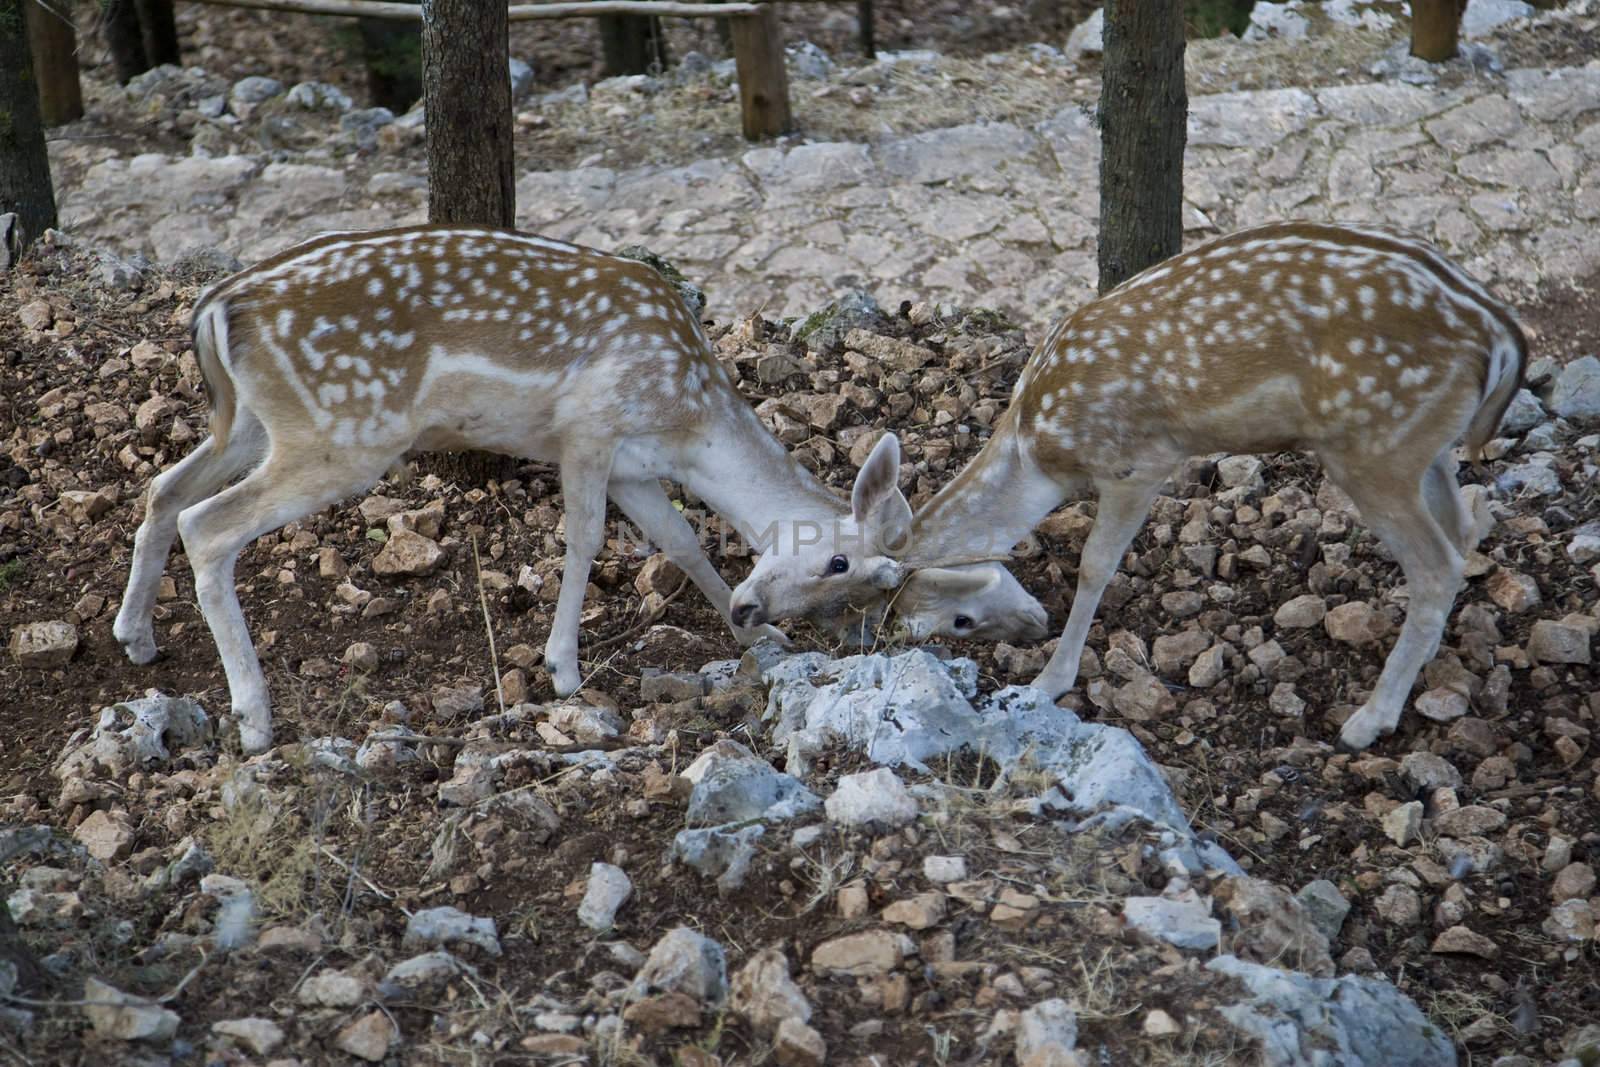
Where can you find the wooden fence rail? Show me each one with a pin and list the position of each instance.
(757, 41)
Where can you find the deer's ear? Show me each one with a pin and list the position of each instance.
(876, 503)
(949, 583)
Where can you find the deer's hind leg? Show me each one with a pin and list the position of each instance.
(1405, 513)
(216, 530)
(200, 474)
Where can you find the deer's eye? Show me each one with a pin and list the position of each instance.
(963, 622)
(838, 565)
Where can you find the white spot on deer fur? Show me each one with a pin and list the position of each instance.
(1414, 376)
(285, 322)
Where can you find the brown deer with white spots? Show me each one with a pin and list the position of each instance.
(1365, 346)
(329, 362)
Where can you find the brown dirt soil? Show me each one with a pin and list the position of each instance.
(348, 855)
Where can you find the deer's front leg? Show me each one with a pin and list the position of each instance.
(1123, 505)
(583, 492)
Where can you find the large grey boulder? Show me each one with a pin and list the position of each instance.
(1331, 1022)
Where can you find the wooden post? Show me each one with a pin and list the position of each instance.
(763, 78)
(1435, 28)
(864, 20)
(55, 64)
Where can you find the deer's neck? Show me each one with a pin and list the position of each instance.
(748, 478)
(986, 509)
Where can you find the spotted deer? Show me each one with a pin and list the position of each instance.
(1363, 345)
(327, 363)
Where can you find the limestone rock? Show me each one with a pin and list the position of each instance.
(1354, 623)
(123, 1017)
(432, 927)
(108, 837)
(875, 797)
(861, 955)
(367, 1038)
(260, 1036)
(607, 889)
(44, 644)
(688, 962)
(798, 1045)
(408, 554)
(765, 994)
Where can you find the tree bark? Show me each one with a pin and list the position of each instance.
(467, 93)
(1436, 28)
(1143, 118)
(392, 52)
(124, 39)
(866, 27)
(24, 162)
(159, 31)
(54, 47)
(466, 80)
(632, 44)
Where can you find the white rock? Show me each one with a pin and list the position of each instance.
(107, 837)
(44, 644)
(797, 1045)
(944, 868)
(1301, 612)
(764, 993)
(368, 1038)
(1482, 16)
(260, 1036)
(1186, 923)
(332, 989)
(124, 1017)
(1047, 1024)
(608, 887)
(1238, 472)
(1087, 37)
(1403, 823)
(688, 962)
(872, 797)
(445, 925)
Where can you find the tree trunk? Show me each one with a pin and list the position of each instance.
(54, 47)
(467, 92)
(865, 26)
(1435, 28)
(632, 44)
(1143, 126)
(466, 79)
(159, 31)
(24, 163)
(124, 39)
(392, 51)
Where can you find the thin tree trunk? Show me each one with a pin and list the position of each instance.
(24, 162)
(1143, 127)
(866, 27)
(632, 44)
(392, 52)
(467, 89)
(124, 39)
(54, 47)
(467, 96)
(159, 30)
(1436, 28)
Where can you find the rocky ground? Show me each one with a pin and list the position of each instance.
(1456, 860)
(433, 867)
